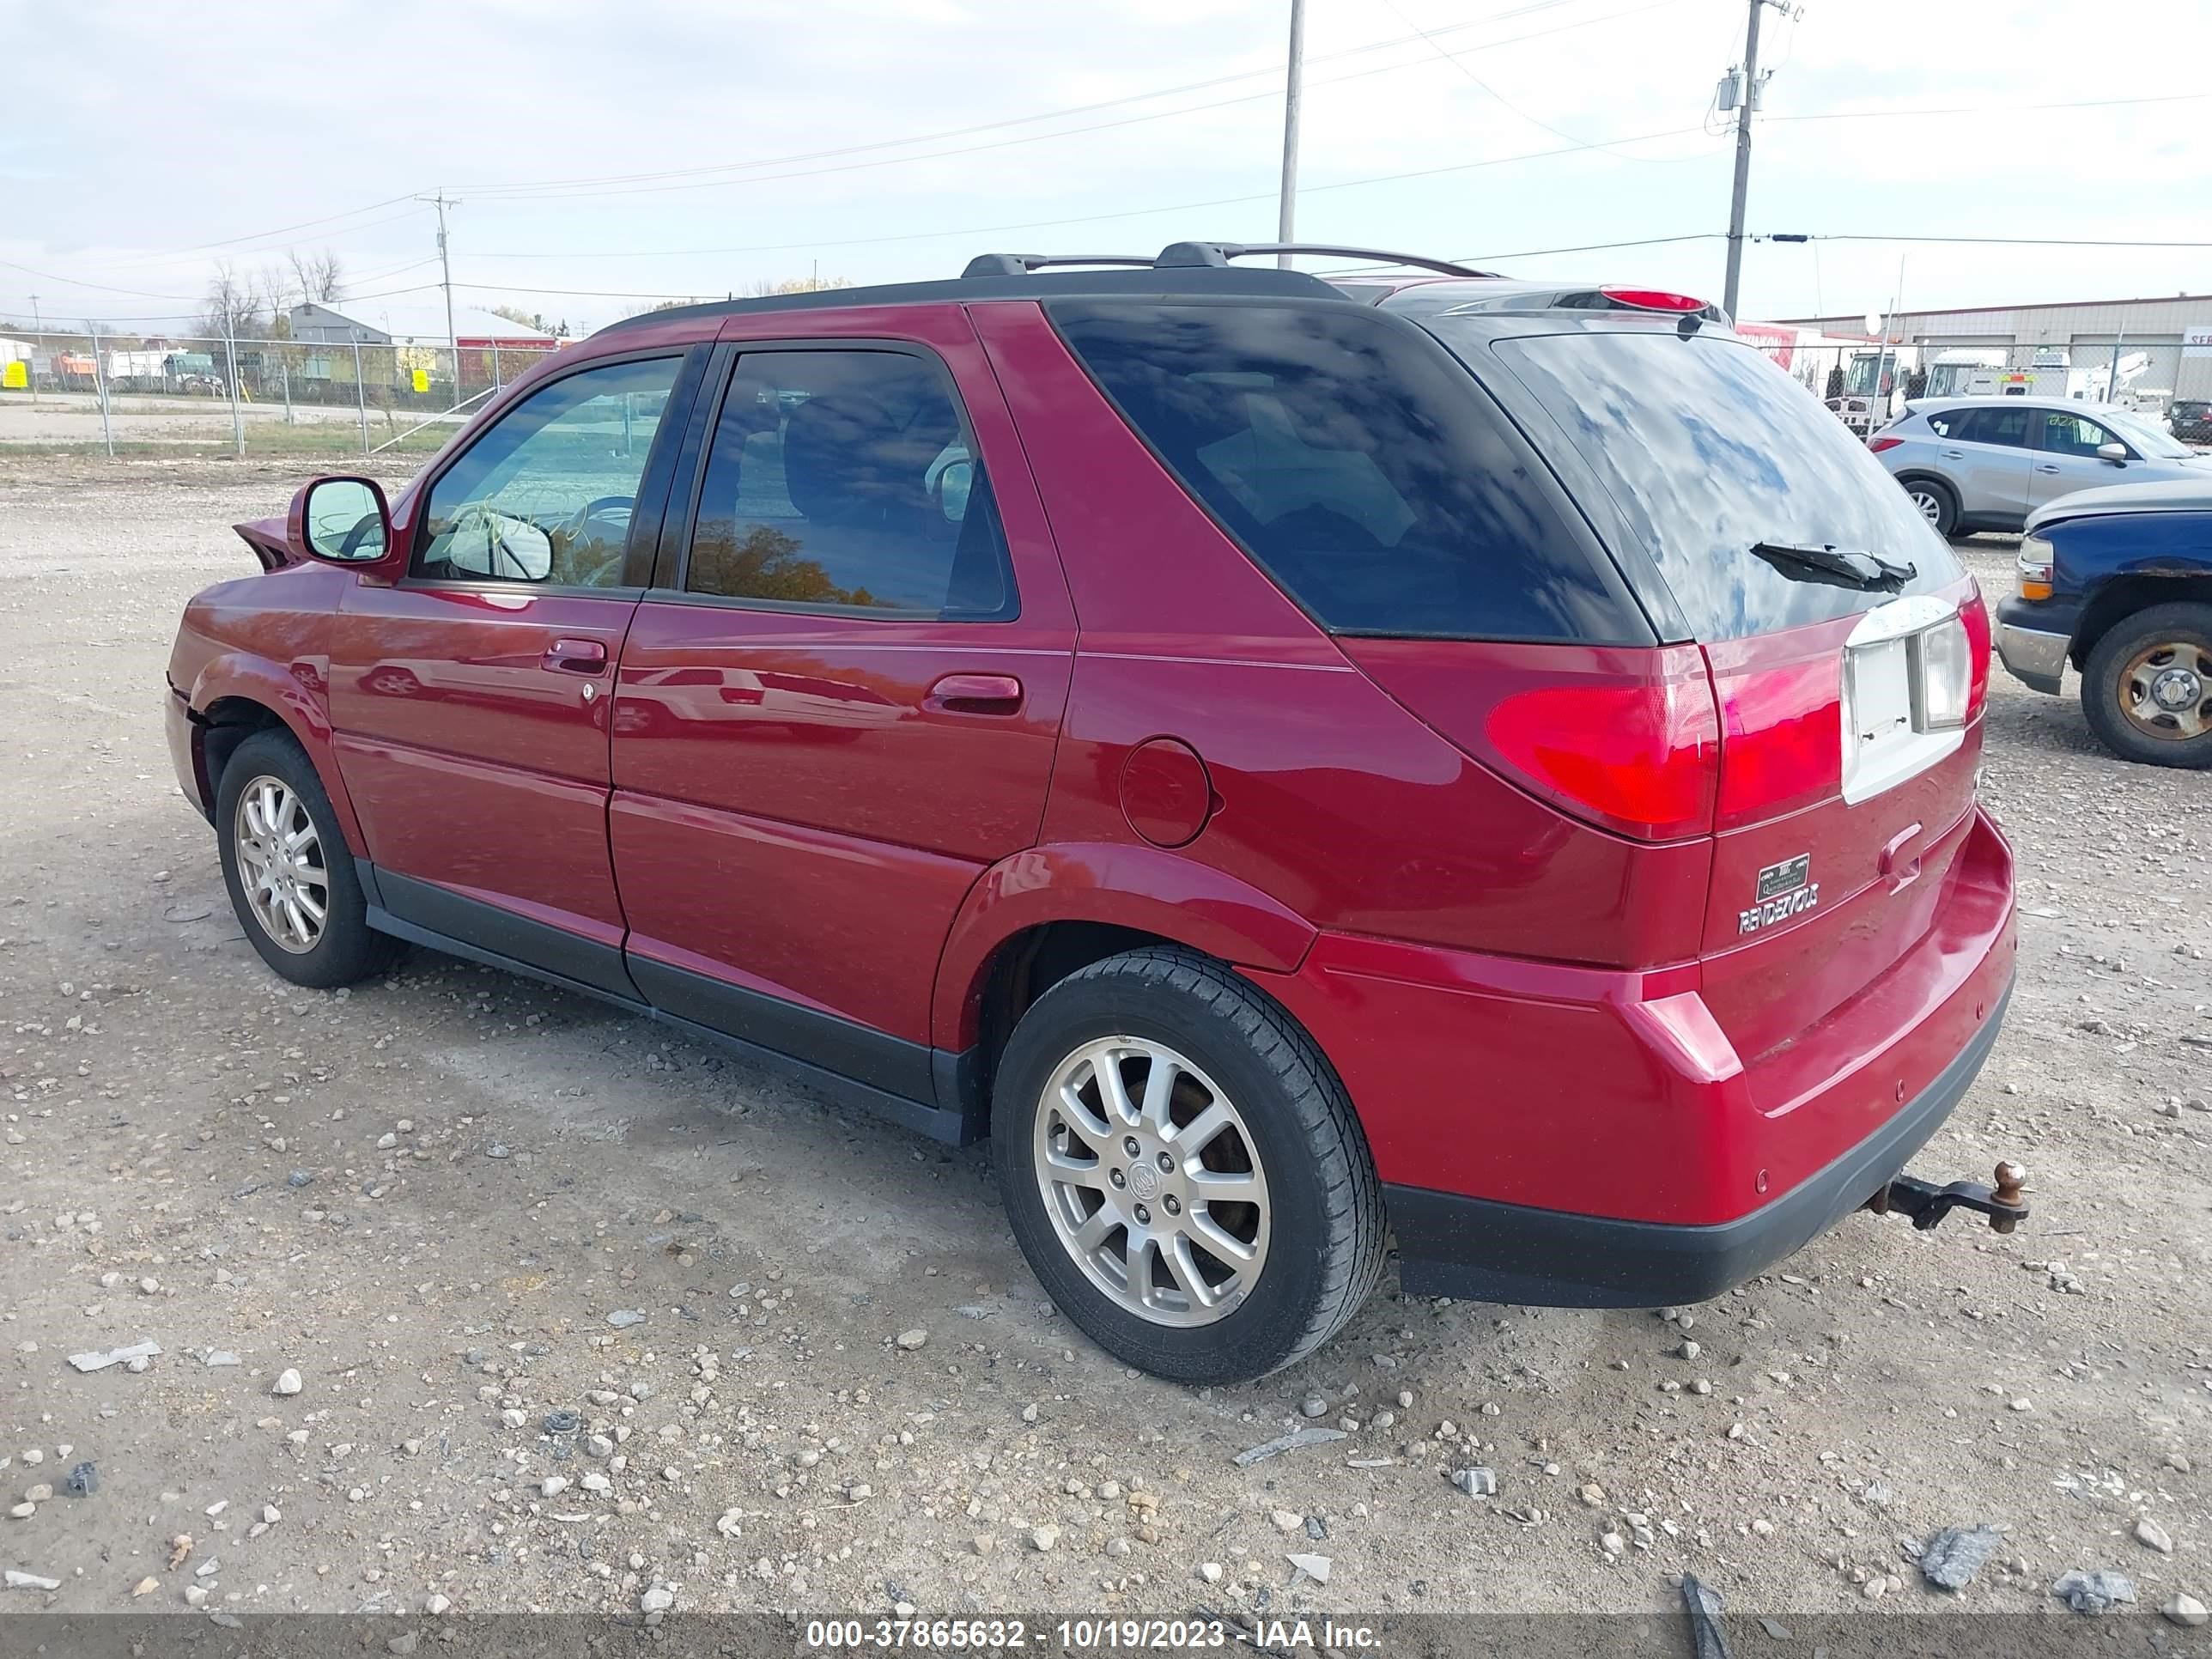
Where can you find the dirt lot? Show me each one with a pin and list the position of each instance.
(427, 1198)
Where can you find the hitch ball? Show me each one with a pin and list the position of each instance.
(2011, 1177)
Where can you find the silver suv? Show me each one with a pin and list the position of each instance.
(1975, 464)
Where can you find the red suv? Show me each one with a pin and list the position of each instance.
(1486, 762)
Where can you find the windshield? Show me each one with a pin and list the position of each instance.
(1707, 449)
(2146, 438)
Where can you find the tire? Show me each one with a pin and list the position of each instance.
(339, 948)
(1316, 1231)
(2165, 649)
(1937, 501)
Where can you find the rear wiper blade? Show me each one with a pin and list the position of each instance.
(1824, 561)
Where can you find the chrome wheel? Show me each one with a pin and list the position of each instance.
(280, 865)
(2165, 691)
(1151, 1181)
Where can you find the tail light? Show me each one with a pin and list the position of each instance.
(1974, 618)
(1781, 739)
(1879, 443)
(1642, 759)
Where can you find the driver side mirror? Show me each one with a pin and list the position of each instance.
(2117, 454)
(341, 521)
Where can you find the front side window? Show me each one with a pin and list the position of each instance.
(2068, 433)
(847, 480)
(546, 495)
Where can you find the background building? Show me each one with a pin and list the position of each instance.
(2144, 352)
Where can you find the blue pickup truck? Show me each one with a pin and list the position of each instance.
(2119, 583)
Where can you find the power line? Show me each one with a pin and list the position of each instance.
(1990, 109)
(194, 316)
(570, 193)
(1990, 242)
(1090, 218)
(1492, 92)
(487, 192)
(72, 282)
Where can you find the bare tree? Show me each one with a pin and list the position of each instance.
(235, 306)
(797, 285)
(317, 278)
(659, 305)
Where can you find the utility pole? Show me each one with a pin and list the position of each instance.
(442, 202)
(1750, 102)
(38, 344)
(1287, 212)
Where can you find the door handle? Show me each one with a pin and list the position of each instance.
(1954, 454)
(976, 694)
(576, 656)
(2047, 466)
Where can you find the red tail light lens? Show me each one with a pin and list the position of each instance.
(1975, 618)
(1880, 444)
(1640, 759)
(1782, 730)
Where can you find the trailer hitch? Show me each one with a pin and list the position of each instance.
(1927, 1204)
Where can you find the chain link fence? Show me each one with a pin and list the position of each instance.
(139, 392)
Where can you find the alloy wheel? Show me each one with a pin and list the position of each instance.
(1151, 1181)
(280, 865)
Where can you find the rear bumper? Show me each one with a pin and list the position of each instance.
(1584, 1136)
(1480, 1250)
(2032, 650)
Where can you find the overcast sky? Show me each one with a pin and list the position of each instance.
(659, 148)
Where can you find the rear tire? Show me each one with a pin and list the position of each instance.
(1937, 503)
(290, 876)
(1186, 1284)
(2137, 684)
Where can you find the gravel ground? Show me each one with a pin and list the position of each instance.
(380, 1237)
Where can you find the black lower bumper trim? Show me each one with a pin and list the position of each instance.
(1482, 1250)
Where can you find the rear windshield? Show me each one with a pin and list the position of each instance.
(1357, 465)
(1707, 448)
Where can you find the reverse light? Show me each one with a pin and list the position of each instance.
(1942, 676)
(1643, 760)
(2036, 558)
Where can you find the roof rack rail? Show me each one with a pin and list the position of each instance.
(1020, 265)
(1220, 253)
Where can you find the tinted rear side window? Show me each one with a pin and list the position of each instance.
(1706, 448)
(1362, 469)
(2007, 427)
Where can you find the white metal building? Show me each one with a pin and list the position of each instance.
(2162, 345)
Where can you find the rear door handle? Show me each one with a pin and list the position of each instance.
(2047, 466)
(976, 694)
(1954, 454)
(576, 656)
